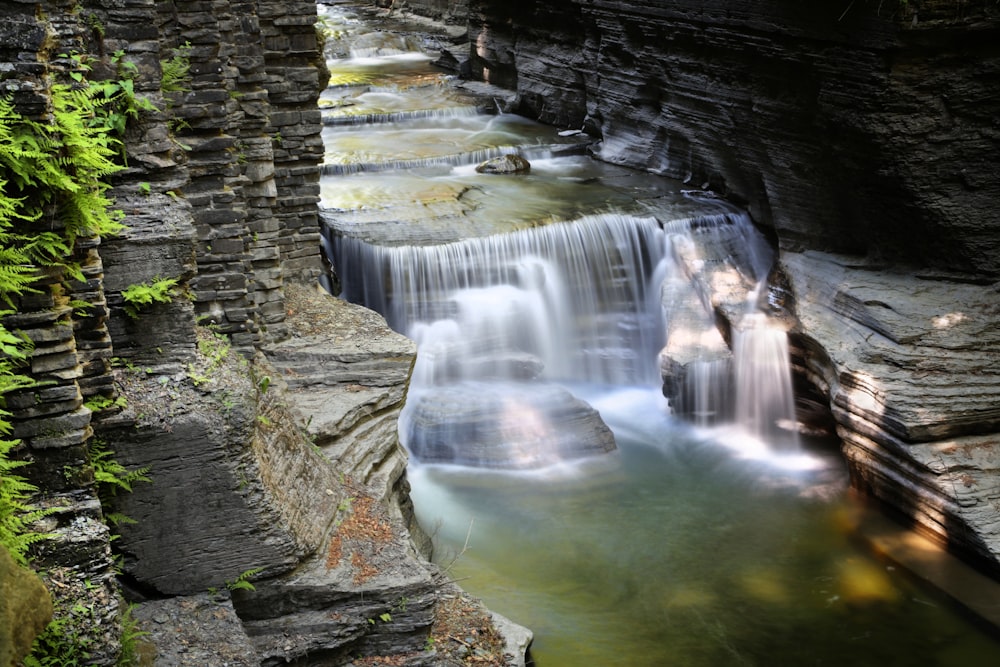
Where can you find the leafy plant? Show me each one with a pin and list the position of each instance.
(197, 378)
(57, 646)
(176, 70)
(65, 641)
(99, 403)
(129, 654)
(242, 582)
(215, 348)
(56, 173)
(110, 475)
(16, 512)
(159, 290)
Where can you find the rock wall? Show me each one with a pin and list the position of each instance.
(277, 525)
(863, 129)
(862, 135)
(218, 193)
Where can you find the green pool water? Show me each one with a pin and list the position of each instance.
(682, 549)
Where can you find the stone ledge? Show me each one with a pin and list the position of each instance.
(909, 364)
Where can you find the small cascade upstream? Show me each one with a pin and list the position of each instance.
(588, 378)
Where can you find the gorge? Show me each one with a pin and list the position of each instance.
(860, 139)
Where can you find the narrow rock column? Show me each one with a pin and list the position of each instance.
(290, 51)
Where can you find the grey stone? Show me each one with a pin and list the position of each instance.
(909, 365)
(519, 426)
(199, 629)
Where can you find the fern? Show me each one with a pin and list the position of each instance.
(53, 191)
(176, 70)
(110, 475)
(242, 582)
(56, 170)
(16, 513)
(160, 290)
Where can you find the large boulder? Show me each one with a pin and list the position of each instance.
(515, 426)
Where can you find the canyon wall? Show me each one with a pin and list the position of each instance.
(863, 136)
(219, 193)
(862, 128)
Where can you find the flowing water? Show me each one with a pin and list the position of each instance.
(540, 304)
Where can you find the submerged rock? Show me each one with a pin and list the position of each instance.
(517, 426)
(505, 164)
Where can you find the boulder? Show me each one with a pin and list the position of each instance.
(515, 426)
(510, 163)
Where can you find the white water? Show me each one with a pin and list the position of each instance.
(573, 296)
(580, 302)
(765, 405)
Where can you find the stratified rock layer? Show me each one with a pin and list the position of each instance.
(911, 368)
(846, 128)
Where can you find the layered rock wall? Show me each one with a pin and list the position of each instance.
(218, 193)
(279, 484)
(863, 129)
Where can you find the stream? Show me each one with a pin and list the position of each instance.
(540, 303)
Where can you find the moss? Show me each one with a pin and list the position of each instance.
(25, 609)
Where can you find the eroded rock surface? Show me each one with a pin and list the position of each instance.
(283, 482)
(853, 129)
(909, 362)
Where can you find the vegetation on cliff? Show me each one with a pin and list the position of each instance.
(53, 191)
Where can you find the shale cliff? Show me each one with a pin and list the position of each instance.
(250, 418)
(861, 134)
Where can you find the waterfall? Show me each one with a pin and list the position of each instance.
(593, 301)
(765, 404)
(547, 287)
(364, 119)
(569, 298)
(451, 160)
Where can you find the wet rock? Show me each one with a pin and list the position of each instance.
(802, 132)
(505, 164)
(518, 426)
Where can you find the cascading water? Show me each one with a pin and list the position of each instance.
(546, 308)
(573, 296)
(764, 402)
